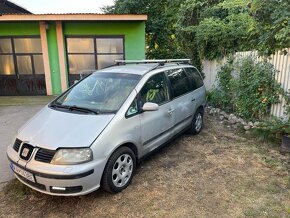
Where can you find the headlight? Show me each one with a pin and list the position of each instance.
(72, 156)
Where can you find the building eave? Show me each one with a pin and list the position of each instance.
(72, 17)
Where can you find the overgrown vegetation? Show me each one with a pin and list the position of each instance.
(273, 128)
(272, 32)
(161, 41)
(246, 88)
(214, 29)
(202, 29)
(276, 127)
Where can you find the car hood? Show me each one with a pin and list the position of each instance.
(52, 129)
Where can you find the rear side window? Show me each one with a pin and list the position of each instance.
(179, 82)
(195, 78)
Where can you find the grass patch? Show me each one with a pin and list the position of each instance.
(272, 162)
(270, 208)
(287, 181)
(274, 188)
(16, 191)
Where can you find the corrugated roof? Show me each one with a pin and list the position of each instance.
(73, 17)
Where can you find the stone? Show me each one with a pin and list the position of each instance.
(250, 124)
(223, 113)
(247, 128)
(212, 111)
(226, 115)
(256, 123)
(244, 123)
(241, 120)
(218, 110)
(232, 119)
(235, 126)
(222, 117)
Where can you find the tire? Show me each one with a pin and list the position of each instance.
(119, 170)
(197, 122)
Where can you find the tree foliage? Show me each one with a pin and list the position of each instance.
(160, 28)
(210, 29)
(213, 29)
(272, 31)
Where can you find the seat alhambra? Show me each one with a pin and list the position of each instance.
(94, 134)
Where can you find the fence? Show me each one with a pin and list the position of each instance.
(280, 62)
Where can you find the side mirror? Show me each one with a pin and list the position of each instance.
(149, 106)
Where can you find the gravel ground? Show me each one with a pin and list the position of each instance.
(218, 173)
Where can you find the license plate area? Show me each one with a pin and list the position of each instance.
(21, 172)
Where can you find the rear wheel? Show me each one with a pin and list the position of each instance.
(119, 170)
(197, 122)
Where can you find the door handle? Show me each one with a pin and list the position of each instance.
(170, 111)
(193, 99)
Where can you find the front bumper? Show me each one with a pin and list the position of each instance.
(61, 180)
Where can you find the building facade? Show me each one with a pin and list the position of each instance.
(44, 54)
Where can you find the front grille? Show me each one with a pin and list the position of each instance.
(17, 144)
(44, 155)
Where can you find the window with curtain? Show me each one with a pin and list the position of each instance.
(90, 53)
(21, 55)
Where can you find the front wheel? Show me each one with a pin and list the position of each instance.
(119, 170)
(197, 122)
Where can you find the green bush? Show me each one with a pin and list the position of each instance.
(222, 95)
(256, 89)
(246, 88)
(273, 128)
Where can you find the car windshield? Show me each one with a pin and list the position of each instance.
(98, 93)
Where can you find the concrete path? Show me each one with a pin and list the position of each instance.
(11, 119)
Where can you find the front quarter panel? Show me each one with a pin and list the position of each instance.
(121, 130)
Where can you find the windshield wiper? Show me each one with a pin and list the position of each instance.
(57, 105)
(74, 107)
(87, 110)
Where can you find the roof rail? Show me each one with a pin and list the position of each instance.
(160, 61)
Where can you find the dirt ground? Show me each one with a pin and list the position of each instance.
(218, 173)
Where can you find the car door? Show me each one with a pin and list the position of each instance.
(155, 125)
(183, 100)
(197, 86)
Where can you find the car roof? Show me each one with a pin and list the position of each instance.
(139, 69)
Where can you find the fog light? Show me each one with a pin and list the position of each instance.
(66, 190)
(58, 188)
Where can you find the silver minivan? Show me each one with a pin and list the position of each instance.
(94, 134)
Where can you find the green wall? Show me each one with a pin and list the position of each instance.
(53, 58)
(134, 33)
(18, 29)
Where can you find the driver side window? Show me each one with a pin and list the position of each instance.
(155, 90)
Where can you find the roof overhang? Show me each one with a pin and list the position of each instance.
(72, 17)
